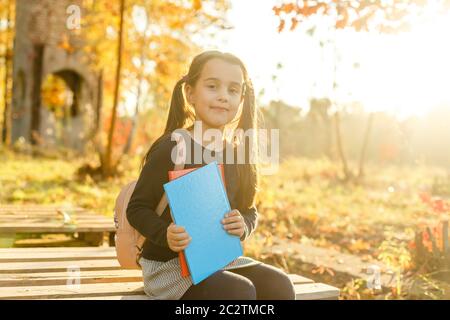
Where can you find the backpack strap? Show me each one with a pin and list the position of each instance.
(179, 165)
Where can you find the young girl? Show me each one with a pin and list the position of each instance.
(219, 94)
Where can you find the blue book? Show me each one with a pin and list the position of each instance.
(198, 202)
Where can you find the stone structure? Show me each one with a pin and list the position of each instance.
(41, 31)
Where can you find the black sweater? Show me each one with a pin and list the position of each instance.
(141, 212)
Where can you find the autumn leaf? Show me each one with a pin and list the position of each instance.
(65, 44)
(197, 5)
(276, 10)
(294, 23)
(322, 269)
(342, 22)
(281, 25)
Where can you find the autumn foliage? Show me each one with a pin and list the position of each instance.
(383, 16)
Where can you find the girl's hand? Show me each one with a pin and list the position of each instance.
(177, 238)
(234, 223)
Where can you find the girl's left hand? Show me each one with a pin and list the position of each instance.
(234, 223)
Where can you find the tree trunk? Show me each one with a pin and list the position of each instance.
(6, 126)
(93, 134)
(98, 115)
(107, 165)
(132, 134)
(364, 146)
(138, 96)
(36, 94)
(337, 120)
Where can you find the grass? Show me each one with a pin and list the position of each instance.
(27, 180)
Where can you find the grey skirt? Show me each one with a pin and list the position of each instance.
(163, 280)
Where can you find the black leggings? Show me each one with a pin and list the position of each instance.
(261, 282)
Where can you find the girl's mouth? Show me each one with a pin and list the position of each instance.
(220, 109)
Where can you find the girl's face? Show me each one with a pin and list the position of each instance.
(217, 94)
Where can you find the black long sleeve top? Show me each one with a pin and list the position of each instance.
(149, 189)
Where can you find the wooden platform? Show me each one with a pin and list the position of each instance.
(37, 219)
(52, 273)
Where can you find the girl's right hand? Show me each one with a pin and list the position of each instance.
(177, 237)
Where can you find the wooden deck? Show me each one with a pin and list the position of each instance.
(36, 219)
(52, 273)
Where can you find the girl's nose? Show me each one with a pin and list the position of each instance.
(223, 97)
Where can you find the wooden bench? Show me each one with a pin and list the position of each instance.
(38, 219)
(50, 273)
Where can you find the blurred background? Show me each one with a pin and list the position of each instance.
(358, 89)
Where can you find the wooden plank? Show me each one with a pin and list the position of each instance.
(47, 266)
(61, 277)
(69, 250)
(47, 223)
(64, 291)
(30, 220)
(39, 209)
(53, 224)
(5, 222)
(20, 217)
(40, 206)
(316, 291)
(44, 228)
(58, 256)
(45, 212)
(52, 219)
(53, 213)
(93, 297)
(296, 279)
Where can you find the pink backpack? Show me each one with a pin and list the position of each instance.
(128, 241)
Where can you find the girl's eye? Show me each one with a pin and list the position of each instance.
(234, 91)
(212, 86)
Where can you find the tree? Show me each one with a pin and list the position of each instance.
(7, 10)
(107, 165)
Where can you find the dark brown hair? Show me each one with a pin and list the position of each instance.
(181, 114)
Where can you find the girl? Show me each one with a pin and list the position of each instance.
(219, 94)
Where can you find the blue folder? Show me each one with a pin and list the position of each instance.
(198, 202)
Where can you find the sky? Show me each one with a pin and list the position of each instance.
(405, 74)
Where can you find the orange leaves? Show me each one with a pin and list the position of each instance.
(297, 12)
(197, 4)
(294, 22)
(281, 25)
(311, 10)
(65, 44)
(276, 10)
(433, 234)
(54, 94)
(122, 130)
(322, 269)
(359, 245)
(438, 205)
(288, 7)
(425, 197)
(395, 15)
(342, 21)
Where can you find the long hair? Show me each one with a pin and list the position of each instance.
(180, 114)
